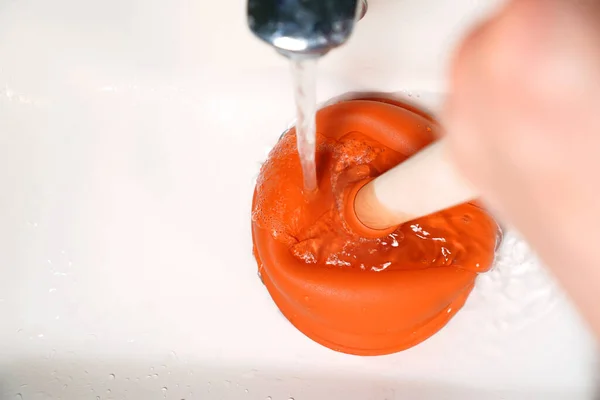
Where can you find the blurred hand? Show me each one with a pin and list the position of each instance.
(523, 121)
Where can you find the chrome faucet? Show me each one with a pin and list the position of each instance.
(304, 28)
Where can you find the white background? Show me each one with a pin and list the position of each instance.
(131, 132)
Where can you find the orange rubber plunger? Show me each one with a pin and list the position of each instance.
(348, 287)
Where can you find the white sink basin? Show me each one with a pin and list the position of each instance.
(130, 135)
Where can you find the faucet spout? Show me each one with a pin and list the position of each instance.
(304, 28)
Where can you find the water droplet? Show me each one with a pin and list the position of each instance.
(260, 277)
(18, 396)
(97, 397)
(40, 335)
(51, 290)
(151, 368)
(228, 383)
(52, 354)
(269, 398)
(155, 376)
(65, 386)
(291, 398)
(245, 390)
(164, 390)
(173, 354)
(111, 377)
(108, 391)
(24, 385)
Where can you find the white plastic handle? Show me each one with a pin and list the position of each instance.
(425, 183)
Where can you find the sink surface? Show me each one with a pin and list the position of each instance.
(131, 135)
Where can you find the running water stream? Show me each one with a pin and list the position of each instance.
(304, 80)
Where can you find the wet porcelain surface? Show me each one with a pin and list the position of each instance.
(125, 277)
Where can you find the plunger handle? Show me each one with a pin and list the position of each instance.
(425, 183)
